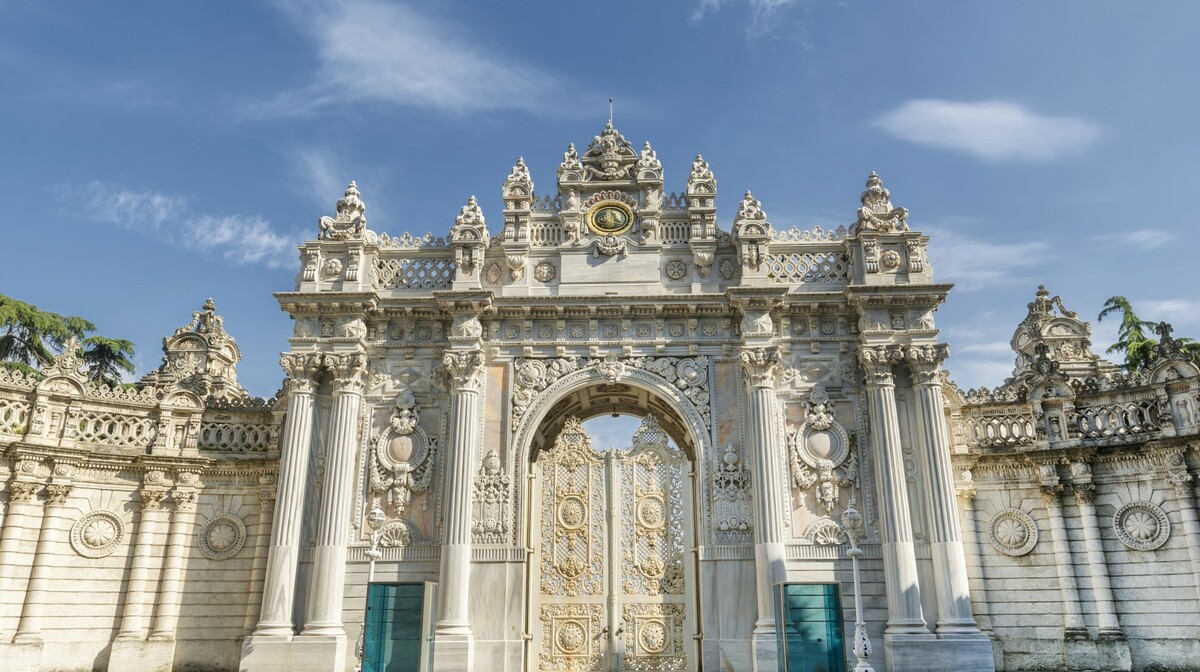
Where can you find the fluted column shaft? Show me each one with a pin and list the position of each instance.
(167, 615)
(763, 447)
(466, 370)
(30, 628)
(949, 560)
(14, 544)
(337, 499)
(266, 508)
(1106, 614)
(895, 522)
(139, 593)
(279, 582)
(1073, 625)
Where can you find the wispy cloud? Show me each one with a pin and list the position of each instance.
(768, 18)
(975, 263)
(992, 130)
(1176, 311)
(378, 52)
(242, 239)
(1145, 239)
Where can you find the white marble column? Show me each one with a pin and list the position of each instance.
(759, 366)
(30, 629)
(949, 561)
(139, 592)
(453, 625)
(15, 543)
(895, 521)
(279, 582)
(1073, 625)
(1106, 614)
(262, 540)
(166, 616)
(337, 499)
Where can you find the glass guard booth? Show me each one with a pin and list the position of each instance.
(811, 633)
(399, 627)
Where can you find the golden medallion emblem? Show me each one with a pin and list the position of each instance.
(610, 218)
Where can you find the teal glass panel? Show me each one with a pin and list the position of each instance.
(812, 628)
(393, 638)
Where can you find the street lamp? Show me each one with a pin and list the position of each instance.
(375, 520)
(852, 521)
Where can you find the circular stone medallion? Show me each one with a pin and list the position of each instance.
(97, 534)
(222, 536)
(571, 636)
(610, 218)
(652, 512)
(572, 513)
(653, 637)
(1141, 526)
(1013, 532)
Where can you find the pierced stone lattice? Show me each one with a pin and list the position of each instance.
(414, 273)
(14, 416)
(808, 267)
(112, 429)
(241, 437)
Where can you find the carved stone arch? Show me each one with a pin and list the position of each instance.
(183, 399)
(1168, 370)
(61, 385)
(687, 428)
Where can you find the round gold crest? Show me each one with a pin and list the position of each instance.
(610, 218)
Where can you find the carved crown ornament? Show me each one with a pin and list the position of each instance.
(350, 221)
(877, 212)
(821, 454)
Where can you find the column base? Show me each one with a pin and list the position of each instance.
(958, 630)
(930, 654)
(766, 651)
(453, 651)
(1098, 654)
(23, 657)
(129, 655)
(263, 653)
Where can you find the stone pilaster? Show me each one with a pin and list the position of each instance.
(759, 368)
(1185, 496)
(1073, 625)
(139, 592)
(30, 629)
(262, 541)
(279, 582)
(949, 562)
(973, 546)
(453, 630)
(333, 522)
(15, 542)
(895, 522)
(167, 614)
(1102, 595)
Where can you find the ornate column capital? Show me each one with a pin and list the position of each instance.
(1051, 495)
(152, 498)
(967, 494)
(185, 500)
(759, 366)
(22, 492)
(877, 361)
(301, 369)
(925, 362)
(465, 368)
(57, 493)
(349, 371)
(1085, 493)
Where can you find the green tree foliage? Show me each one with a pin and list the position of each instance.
(30, 338)
(1139, 348)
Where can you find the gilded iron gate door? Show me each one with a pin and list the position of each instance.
(614, 531)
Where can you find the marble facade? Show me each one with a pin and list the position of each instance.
(1049, 523)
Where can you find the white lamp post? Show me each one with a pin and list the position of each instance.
(853, 523)
(375, 520)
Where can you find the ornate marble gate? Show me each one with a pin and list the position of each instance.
(613, 561)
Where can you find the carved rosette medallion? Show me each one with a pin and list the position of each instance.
(1012, 532)
(97, 534)
(222, 537)
(1141, 526)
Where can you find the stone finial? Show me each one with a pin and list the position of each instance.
(520, 171)
(350, 221)
(648, 159)
(700, 170)
(750, 209)
(470, 214)
(205, 321)
(570, 159)
(518, 187)
(877, 212)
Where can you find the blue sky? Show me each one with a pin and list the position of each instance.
(156, 154)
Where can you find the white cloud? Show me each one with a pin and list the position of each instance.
(974, 264)
(1176, 311)
(1146, 239)
(991, 130)
(243, 239)
(377, 52)
(767, 17)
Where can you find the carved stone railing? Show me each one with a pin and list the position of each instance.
(675, 232)
(109, 428)
(992, 426)
(547, 203)
(243, 433)
(14, 416)
(546, 234)
(795, 235)
(674, 201)
(1135, 419)
(804, 266)
(414, 271)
